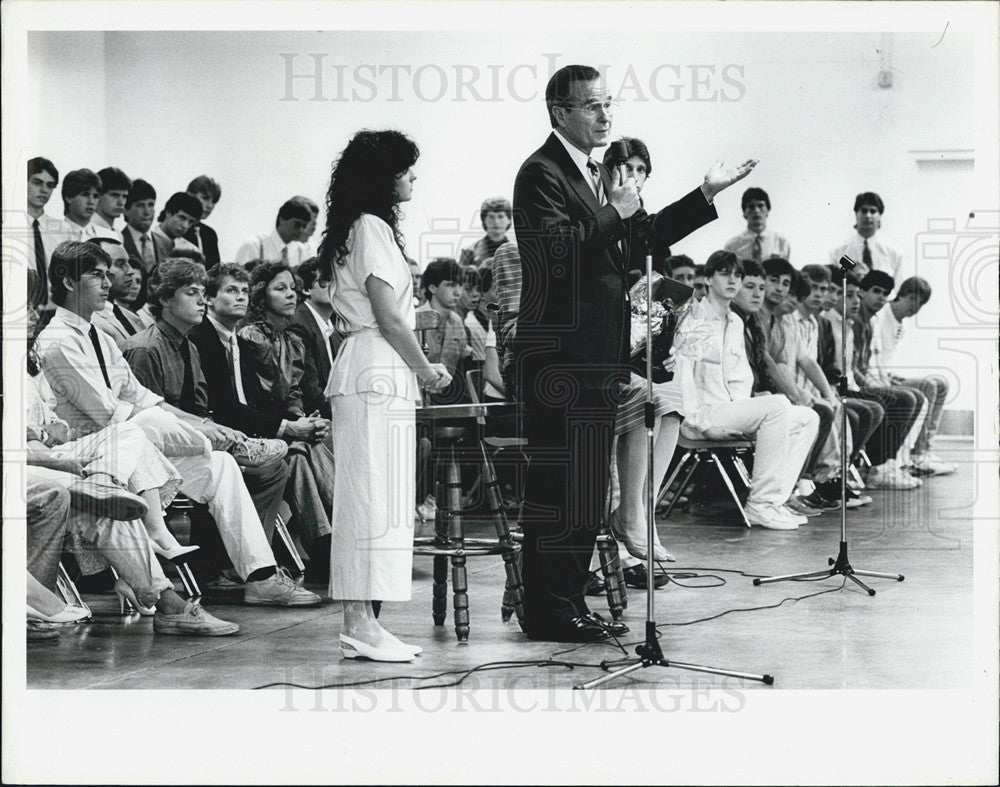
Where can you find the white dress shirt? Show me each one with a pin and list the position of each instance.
(580, 159)
(885, 256)
(890, 331)
(271, 248)
(771, 245)
(103, 229)
(71, 365)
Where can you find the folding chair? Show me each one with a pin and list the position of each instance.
(697, 452)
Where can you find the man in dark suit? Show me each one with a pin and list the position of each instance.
(574, 230)
(313, 324)
(208, 192)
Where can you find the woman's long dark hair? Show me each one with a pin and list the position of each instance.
(363, 181)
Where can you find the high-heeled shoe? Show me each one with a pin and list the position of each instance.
(175, 554)
(69, 616)
(125, 592)
(634, 548)
(351, 648)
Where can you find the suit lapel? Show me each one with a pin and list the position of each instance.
(572, 173)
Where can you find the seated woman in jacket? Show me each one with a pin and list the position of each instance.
(271, 366)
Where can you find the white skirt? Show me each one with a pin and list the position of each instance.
(371, 552)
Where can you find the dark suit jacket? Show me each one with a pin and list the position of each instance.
(222, 401)
(133, 251)
(209, 243)
(315, 360)
(574, 294)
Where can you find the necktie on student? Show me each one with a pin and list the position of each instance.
(100, 355)
(866, 255)
(120, 315)
(43, 287)
(234, 358)
(146, 250)
(186, 402)
(756, 251)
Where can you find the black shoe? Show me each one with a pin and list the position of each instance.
(581, 629)
(831, 491)
(595, 584)
(616, 627)
(635, 577)
(820, 501)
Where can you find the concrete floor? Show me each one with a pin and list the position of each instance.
(916, 634)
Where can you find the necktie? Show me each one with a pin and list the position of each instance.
(146, 250)
(197, 238)
(756, 251)
(100, 355)
(866, 255)
(129, 328)
(234, 359)
(595, 181)
(43, 286)
(187, 386)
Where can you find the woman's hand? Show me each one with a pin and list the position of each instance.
(437, 378)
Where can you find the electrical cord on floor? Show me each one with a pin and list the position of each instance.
(464, 673)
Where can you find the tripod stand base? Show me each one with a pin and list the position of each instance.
(842, 566)
(650, 655)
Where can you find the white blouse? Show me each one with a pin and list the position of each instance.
(366, 362)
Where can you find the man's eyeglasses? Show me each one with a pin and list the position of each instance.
(607, 107)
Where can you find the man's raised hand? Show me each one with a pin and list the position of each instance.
(624, 195)
(721, 176)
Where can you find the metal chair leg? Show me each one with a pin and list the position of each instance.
(729, 485)
(696, 457)
(286, 538)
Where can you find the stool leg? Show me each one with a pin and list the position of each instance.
(456, 537)
(607, 550)
(439, 601)
(286, 538)
(729, 485)
(513, 597)
(124, 605)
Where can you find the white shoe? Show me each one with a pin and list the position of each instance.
(351, 648)
(884, 477)
(931, 465)
(770, 516)
(278, 590)
(800, 519)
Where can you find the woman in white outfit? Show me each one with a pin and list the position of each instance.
(374, 387)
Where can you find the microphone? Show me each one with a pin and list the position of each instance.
(619, 152)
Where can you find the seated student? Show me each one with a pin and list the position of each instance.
(418, 293)
(910, 298)
(810, 289)
(871, 253)
(700, 282)
(282, 243)
(313, 324)
(228, 293)
(716, 382)
(483, 337)
(757, 242)
(140, 210)
(767, 377)
(56, 506)
(94, 386)
(181, 212)
(203, 237)
(495, 214)
(864, 415)
(271, 369)
(116, 320)
(681, 268)
(115, 187)
(130, 299)
(45, 231)
(448, 343)
(81, 189)
(903, 405)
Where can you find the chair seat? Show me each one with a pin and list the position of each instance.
(505, 442)
(705, 445)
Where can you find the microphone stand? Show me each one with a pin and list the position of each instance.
(649, 653)
(841, 565)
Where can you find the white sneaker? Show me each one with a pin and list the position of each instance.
(931, 465)
(800, 519)
(770, 516)
(883, 477)
(257, 451)
(279, 590)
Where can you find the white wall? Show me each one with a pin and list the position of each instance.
(807, 105)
